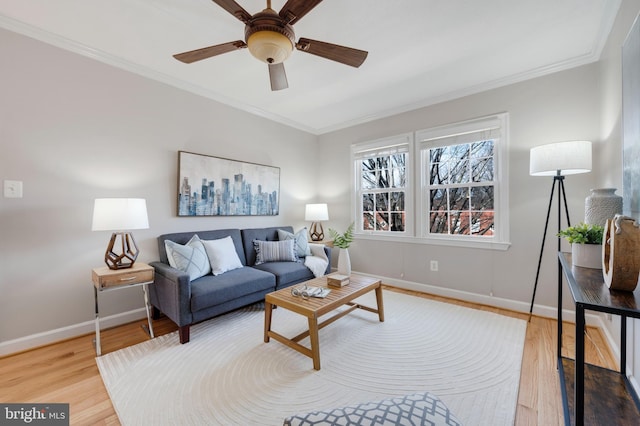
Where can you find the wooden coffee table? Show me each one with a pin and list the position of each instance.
(314, 308)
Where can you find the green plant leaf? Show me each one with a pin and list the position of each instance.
(342, 240)
(583, 234)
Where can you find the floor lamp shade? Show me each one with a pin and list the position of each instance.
(120, 215)
(560, 158)
(316, 213)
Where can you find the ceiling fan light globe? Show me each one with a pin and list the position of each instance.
(269, 46)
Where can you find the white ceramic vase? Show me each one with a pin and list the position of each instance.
(587, 255)
(344, 262)
(600, 205)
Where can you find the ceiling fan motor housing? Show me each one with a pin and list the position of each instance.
(269, 38)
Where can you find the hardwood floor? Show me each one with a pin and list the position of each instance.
(66, 372)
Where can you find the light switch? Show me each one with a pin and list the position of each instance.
(13, 189)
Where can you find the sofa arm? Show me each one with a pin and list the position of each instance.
(171, 293)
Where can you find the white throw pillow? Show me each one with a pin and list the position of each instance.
(190, 258)
(222, 255)
(300, 238)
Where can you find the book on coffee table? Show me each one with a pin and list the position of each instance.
(337, 280)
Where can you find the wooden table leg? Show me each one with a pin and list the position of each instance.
(380, 303)
(268, 308)
(315, 342)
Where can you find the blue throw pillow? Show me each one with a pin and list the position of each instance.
(190, 258)
(300, 239)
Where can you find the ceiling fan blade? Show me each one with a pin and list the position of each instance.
(278, 77)
(235, 9)
(208, 52)
(294, 10)
(342, 54)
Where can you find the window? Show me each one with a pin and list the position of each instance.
(463, 183)
(382, 181)
(460, 195)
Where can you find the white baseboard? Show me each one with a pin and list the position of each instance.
(498, 302)
(52, 336)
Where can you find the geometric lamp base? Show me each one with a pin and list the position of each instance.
(128, 251)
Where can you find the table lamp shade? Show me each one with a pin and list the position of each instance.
(120, 215)
(316, 213)
(563, 158)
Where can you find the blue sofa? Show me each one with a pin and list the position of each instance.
(187, 301)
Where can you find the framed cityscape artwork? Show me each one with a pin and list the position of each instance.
(631, 122)
(213, 186)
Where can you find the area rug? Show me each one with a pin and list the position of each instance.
(227, 375)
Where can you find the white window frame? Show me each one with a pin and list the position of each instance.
(494, 126)
(415, 200)
(383, 146)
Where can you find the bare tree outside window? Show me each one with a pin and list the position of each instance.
(384, 180)
(461, 189)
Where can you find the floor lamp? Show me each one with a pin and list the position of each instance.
(557, 160)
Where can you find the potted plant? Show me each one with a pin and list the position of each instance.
(586, 244)
(343, 241)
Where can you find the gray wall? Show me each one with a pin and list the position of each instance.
(74, 129)
(562, 106)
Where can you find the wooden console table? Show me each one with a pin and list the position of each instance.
(594, 395)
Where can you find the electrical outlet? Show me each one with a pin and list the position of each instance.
(12, 189)
(434, 265)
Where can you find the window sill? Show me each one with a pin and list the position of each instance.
(484, 244)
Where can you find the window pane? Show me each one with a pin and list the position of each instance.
(382, 221)
(482, 170)
(397, 201)
(382, 202)
(460, 222)
(367, 202)
(482, 198)
(438, 199)
(369, 180)
(460, 172)
(397, 222)
(439, 174)
(482, 223)
(398, 178)
(367, 221)
(438, 223)
(482, 149)
(459, 198)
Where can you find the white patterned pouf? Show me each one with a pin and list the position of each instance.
(417, 409)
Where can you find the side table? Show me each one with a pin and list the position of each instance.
(105, 279)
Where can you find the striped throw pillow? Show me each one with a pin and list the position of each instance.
(275, 251)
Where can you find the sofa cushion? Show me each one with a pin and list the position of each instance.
(286, 273)
(190, 258)
(275, 251)
(184, 237)
(300, 238)
(222, 255)
(213, 290)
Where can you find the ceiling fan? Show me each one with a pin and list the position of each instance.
(270, 38)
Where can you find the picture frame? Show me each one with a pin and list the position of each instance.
(631, 122)
(214, 186)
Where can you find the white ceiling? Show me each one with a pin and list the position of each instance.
(420, 51)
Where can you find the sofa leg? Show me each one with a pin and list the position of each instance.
(184, 333)
(155, 313)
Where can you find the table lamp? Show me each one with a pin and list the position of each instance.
(120, 215)
(315, 213)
